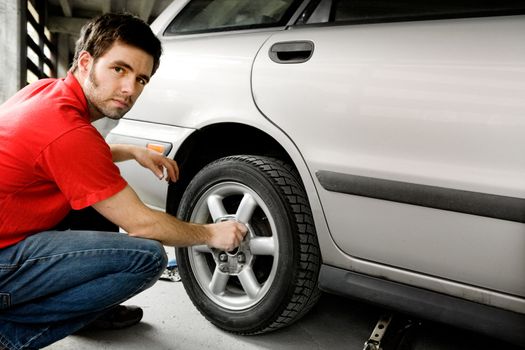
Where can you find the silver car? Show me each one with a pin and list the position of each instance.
(375, 149)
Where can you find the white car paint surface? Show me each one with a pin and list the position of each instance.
(433, 108)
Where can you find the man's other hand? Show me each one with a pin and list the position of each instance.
(157, 162)
(149, 159)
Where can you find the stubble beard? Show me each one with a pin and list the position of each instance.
(96, 102)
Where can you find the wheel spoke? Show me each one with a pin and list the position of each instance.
(249, 283)
(201, 249)
(246, 208)
(262, 246)
(216, 207)
(218, 282)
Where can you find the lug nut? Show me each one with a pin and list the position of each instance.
(241, 258)
(223, 257)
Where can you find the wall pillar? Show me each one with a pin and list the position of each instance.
(63, 55)
(12, 47)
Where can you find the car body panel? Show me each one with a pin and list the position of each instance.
(411, 102)
(144, 182)
(223, 61)
(450, 116)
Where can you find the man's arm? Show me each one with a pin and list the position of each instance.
(126, 210)
(149, 159)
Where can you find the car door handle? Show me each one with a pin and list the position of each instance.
(291, 51)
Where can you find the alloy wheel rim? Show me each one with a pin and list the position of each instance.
(241, 278)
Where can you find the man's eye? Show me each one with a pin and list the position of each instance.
(118, 69)
(142, 81)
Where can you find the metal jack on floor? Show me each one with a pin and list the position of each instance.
(171, 273)
(374, 342)
(399, 336)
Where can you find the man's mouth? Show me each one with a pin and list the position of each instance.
(121, 103)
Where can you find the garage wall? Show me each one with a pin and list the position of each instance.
(12, 20)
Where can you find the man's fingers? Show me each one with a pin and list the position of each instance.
(241, 231)
(159, 171)
(227, 235)
(242, 227)
(172, 169)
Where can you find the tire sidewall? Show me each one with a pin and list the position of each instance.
(260, 315)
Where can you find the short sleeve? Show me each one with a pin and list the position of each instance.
(79, 162)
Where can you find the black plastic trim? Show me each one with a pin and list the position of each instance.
(474, 203)
(426, 304)
(288, 52)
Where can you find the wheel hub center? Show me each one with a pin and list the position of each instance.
(234, 261)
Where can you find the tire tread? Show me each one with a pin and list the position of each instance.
(306, 292)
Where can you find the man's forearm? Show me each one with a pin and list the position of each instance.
(170, 231)
(127, 211)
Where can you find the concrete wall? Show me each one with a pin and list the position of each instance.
(63, 55)
(12, 47)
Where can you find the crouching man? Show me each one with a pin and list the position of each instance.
(62, 265)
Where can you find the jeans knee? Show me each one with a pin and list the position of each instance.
(158, 254)
(161, 253)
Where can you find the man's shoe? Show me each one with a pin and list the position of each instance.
(118, 317)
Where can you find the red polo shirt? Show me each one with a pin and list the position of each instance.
(51, 159)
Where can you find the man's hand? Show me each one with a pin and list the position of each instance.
(226, 235)
(157, 162)
(154, 161)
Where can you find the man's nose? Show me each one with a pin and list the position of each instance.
(129, 86)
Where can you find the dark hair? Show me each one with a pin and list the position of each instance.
(100, 33)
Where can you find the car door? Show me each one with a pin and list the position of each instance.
(413, 131)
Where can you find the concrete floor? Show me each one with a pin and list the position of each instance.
(172, 322)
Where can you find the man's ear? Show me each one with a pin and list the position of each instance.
(84, 62)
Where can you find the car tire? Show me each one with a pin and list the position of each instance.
(270, 281)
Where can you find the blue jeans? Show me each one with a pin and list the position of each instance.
(55, 282)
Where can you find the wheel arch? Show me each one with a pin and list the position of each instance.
(216, 141)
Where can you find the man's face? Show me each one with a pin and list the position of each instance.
(115, 80)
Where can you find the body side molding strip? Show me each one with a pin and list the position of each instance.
(475, 203)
